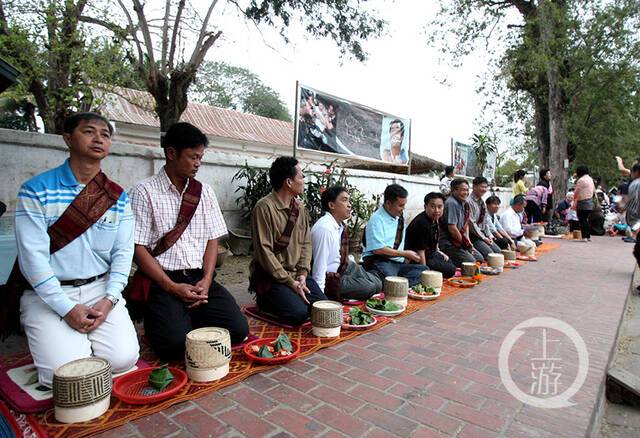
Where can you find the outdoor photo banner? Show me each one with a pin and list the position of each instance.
(331, 124)
(463, 158)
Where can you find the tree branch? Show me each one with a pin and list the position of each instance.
(203, 34)
(165, 32)
(120, 32)
(134, 35)
(146, 35)
(174, 36)
(198, 55)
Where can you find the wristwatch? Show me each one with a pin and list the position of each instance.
(113, 300)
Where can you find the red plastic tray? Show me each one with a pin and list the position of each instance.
(128, 387)
(270, 360)
(462, 282)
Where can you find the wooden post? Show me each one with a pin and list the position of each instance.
(296, 119)
(409, 167)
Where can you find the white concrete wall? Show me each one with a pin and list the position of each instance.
(23, 155)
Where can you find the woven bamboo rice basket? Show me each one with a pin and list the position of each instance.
(396, 290)
(207, 354)
(82, 390)
(431, 279)
(326, 318)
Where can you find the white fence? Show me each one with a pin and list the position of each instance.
(24, 155)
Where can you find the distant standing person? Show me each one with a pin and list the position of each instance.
(445, 180)
(545, 181)
(583, 200)
(633, 208)
(537, 200)
(519, 187)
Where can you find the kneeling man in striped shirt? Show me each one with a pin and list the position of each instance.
(74, 230)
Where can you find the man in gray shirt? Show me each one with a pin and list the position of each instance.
(454, 226)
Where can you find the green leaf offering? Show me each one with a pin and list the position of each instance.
(283, 343)
(360, 317)
(385, 305)
(264, 351)
(160, 378)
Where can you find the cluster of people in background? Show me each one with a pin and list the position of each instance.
(586, 206)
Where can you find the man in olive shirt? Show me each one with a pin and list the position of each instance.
(282, 254)
(423, 234)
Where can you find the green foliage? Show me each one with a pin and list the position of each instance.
(359, 316)
(346, 22)
(378, 304)
(593, 47)
(60, 60)
(18, 115)
(363, 206)
(504, 172)
(317, 183)
(226, 86)
(256, 187)
(482, 145)
(155, 39)
(264, 351)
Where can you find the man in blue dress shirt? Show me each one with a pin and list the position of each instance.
(384, 251)
(74, 308)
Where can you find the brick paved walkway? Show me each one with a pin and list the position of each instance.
(434, 372)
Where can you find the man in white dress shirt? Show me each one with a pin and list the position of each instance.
(336, 275)
(512, 224)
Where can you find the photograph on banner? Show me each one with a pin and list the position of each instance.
(330, 124)
(465, 162)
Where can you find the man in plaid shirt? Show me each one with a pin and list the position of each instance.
(183, 294)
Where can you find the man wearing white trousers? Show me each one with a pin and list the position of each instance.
(74, 307)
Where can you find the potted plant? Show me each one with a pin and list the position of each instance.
(363, 208)
(318, 183)
(256, 187)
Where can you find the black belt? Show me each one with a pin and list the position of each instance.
(185, 272)
(82, 281)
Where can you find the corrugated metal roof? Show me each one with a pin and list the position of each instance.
(136, 107)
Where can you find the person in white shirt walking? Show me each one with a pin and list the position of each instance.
(337, 276)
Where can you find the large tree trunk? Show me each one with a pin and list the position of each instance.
(552, 12)
(171, 98)
(541, 116)
(557, 133)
